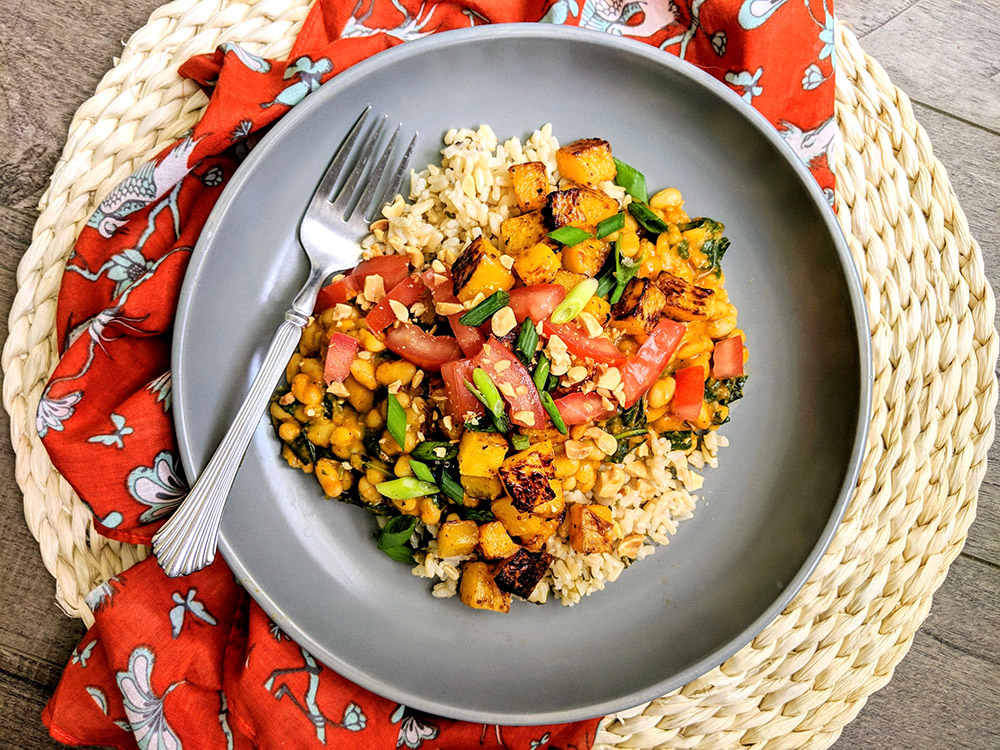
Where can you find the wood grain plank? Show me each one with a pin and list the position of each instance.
(944, 693)
(943, 53)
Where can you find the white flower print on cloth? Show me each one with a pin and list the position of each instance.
(81, 657)
(126, 268)
(746, 83)
(828, 36)
(160, 486)
(187, 604)
(813, 78)
(52, 412)
(116, 438)
(143, 707)
(412, 731)
(162, 387)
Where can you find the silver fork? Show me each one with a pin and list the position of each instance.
(329, 233)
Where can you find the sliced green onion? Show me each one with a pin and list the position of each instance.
(420, 470)
(452, 488)
(480, 424)
(625, 271)
(554, 415)
(492, 400)
(648, 218)
(527, 340)
(434, 450)
(541, 374)
(395, 420)
(406, 488)
(396, 532)
(574, 302)
(610, 224)
(485, 309)
(475, 392)
(606, 282)
(632, 180)
(520, 442)
(693, 224)
(569, 235)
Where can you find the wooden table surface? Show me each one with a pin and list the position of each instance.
(945, 693)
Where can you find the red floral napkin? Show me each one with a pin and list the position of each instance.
(193, 662)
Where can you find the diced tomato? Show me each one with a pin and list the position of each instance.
(537, 301)
(392, 268)
(421, 348)
(582, 408)
(727, 359)
(339, 356)
(644, 367)
(407, 292)
(514, 378)
(689, 393)
(469, 338)
(460, 401)
(580, 344)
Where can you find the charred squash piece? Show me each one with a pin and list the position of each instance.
(479, 270)
(587, 161)
(532, 530)
(531, 184)
(590, 528)
(494, 541)
(527, 476)
(537, 264)
(521, 573)
(585, 257)
(478, 590)
(580, 206)
(522, 232)
(684, 300)
(639, 308)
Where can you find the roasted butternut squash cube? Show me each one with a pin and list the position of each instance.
(556, 507)
(521, 232)
(639, 308)
(478, 270)
(587, 161)
(494, 541)
(480, 454)
(530, 529)
(567, 280)
(538, 264)
(482, 488)
(591, 528)
(478, 590)
(682, 299)
(457, 538)
(531, 184)
(580, 206)
(521, 573)
(599, 307)
(526, 476)
(585, 257)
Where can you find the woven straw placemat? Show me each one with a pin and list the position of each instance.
(934, 346)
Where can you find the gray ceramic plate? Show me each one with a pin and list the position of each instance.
(765, 515)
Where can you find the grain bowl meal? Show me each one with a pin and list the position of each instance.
(523, 376)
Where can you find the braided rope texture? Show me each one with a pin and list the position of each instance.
(934, 346)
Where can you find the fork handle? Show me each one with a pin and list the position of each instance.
(188, 540)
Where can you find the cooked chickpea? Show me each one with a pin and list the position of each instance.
(311, 336)
(364, 372)
(292, 369)
(367, 491)
(374, 476)
(627, 347)
(330, 476)
(565, 466)
(629, 244)
(319, 431)
(277, 412)
(653, 414)
(661, 393)
(666, 198)
(407, 506)
(399, 371)
(404, 399)
(430, 514)
(342, 442)
(402, 467)
(374, 419)
(312, 368)
(586, 476)
(704, 420)
(722, 327)
(370, 341)
(289, 430)
(576, 431)
(306, 390)
(358, 396)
